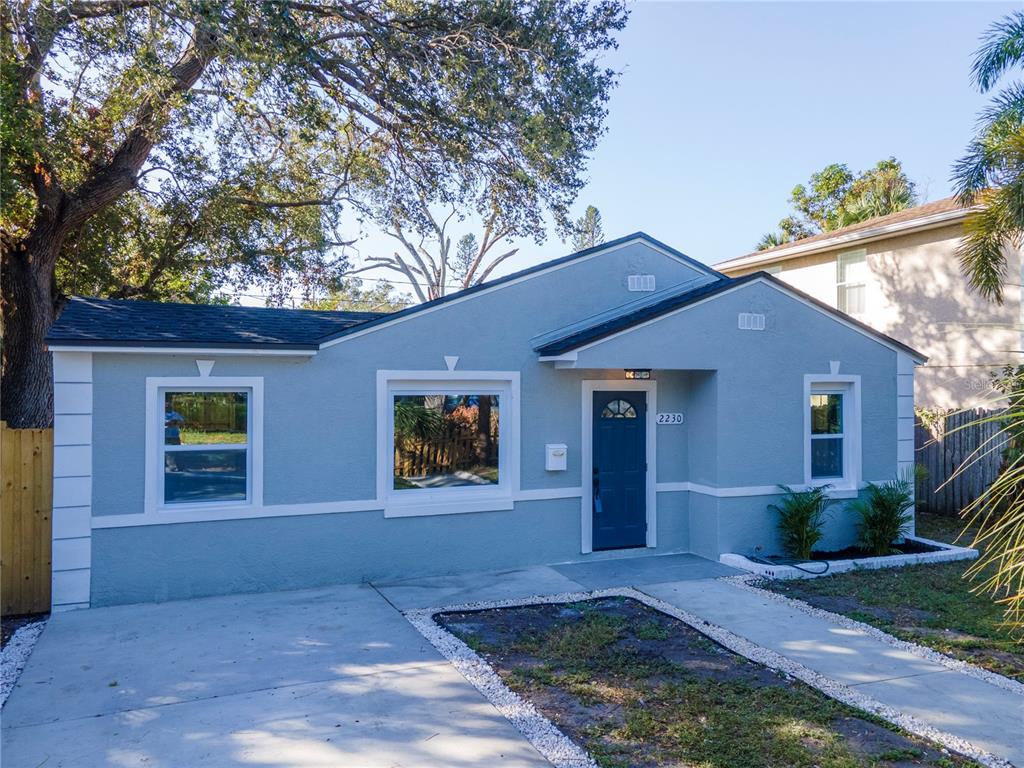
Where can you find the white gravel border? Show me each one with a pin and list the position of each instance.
(15, 654)
(750, 583)
(557, 748)
(945, 553)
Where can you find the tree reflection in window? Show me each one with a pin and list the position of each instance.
(618, 409)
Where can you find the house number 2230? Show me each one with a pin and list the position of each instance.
(670, 418)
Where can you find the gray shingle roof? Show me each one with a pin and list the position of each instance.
(110, 322)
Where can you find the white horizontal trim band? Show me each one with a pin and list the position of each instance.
(199, 514)
(726, 492)
(190, 351)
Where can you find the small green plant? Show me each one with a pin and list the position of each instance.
(886, 511)
(801, 518)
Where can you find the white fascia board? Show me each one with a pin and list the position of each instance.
(499, 286)
(860, 236)
(218, 351)
(834, 315)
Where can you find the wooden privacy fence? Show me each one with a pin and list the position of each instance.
(416, 458)
(942, 450)
(26, 504)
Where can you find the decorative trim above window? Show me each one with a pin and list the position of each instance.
(447, 441)
(204, 443)
(832, 431)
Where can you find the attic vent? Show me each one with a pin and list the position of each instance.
(641, 282)
(748, 321)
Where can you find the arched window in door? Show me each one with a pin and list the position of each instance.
(618, 409)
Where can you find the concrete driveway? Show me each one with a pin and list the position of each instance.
(326, 677)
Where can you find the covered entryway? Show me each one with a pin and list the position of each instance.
(619, 469)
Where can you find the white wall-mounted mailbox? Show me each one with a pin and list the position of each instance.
(555, 455)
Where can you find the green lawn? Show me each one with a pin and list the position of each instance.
(928, 604)
(639, 689)
(189, 437)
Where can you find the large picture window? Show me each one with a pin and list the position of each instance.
(446, 440)
(206, 446)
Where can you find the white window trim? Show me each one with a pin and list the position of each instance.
(154, 506)
(859, 253)
(447, 501)
(849, 387)
(590, 386)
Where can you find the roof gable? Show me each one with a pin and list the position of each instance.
(632, 318)
(516, 277)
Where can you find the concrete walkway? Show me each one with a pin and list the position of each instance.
(988, 716)
(338, 677)
(329, 677)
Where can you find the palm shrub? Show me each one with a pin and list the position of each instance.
(801, 518)
(991, 177)
(886, 511)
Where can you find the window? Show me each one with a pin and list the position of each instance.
(448, 441)
(445, 440)
(851, 282)
(206, 446)
(832, 430)
(826, 435)
(618, 409)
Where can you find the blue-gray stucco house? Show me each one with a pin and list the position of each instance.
(622, 399)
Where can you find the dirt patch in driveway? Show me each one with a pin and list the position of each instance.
(636, 687)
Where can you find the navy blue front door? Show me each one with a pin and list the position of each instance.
(620, 470)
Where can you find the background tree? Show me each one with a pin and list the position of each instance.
(424, 256)
(588, 232)
(835, 197)
(991, 176)
(349, 295)
(276, 105)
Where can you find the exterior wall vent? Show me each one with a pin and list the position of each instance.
(749, 321)
(641, 282)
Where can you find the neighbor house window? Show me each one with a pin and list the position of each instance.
(446, 440)
(851, 282)
(206, 446)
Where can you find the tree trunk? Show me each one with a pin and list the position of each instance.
(29, 309)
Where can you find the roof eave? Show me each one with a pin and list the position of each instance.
(178, 347)
(793, 250)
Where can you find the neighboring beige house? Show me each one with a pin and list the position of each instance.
(900, 274)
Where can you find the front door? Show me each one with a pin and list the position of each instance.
(620, 470)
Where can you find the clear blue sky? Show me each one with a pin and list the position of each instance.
(723, 107)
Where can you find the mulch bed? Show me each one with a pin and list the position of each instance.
(857, 553)
(637, 688)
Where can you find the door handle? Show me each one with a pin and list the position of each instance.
(597, 491)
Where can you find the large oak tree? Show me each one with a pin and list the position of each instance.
(254, 124)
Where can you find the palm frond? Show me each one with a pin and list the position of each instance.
(1002, 47)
